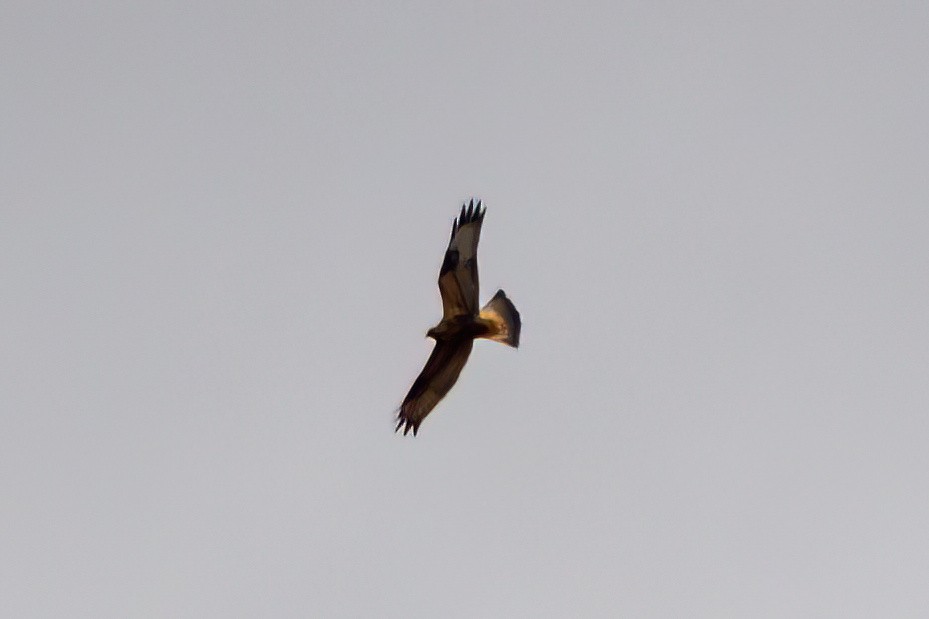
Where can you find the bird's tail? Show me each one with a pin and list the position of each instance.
(502, 320)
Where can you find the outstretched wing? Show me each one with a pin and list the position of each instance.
(437, 378)
(458, 277)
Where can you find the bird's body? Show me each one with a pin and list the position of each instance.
(462, 321)
(464, 326)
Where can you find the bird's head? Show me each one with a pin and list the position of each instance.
(438, 331)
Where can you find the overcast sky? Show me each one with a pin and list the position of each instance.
(221, 225)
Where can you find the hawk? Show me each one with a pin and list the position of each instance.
(462, 321)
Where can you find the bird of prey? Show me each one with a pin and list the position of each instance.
(462, 321)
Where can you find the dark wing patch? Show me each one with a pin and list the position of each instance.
(439, 375)
(458, 277)
(450, 263)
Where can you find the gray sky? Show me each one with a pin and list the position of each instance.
(220, 230)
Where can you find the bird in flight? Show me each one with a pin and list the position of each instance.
(462, 321)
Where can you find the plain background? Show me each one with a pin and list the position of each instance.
(221, 225)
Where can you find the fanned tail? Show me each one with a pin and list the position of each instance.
(502, 320)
